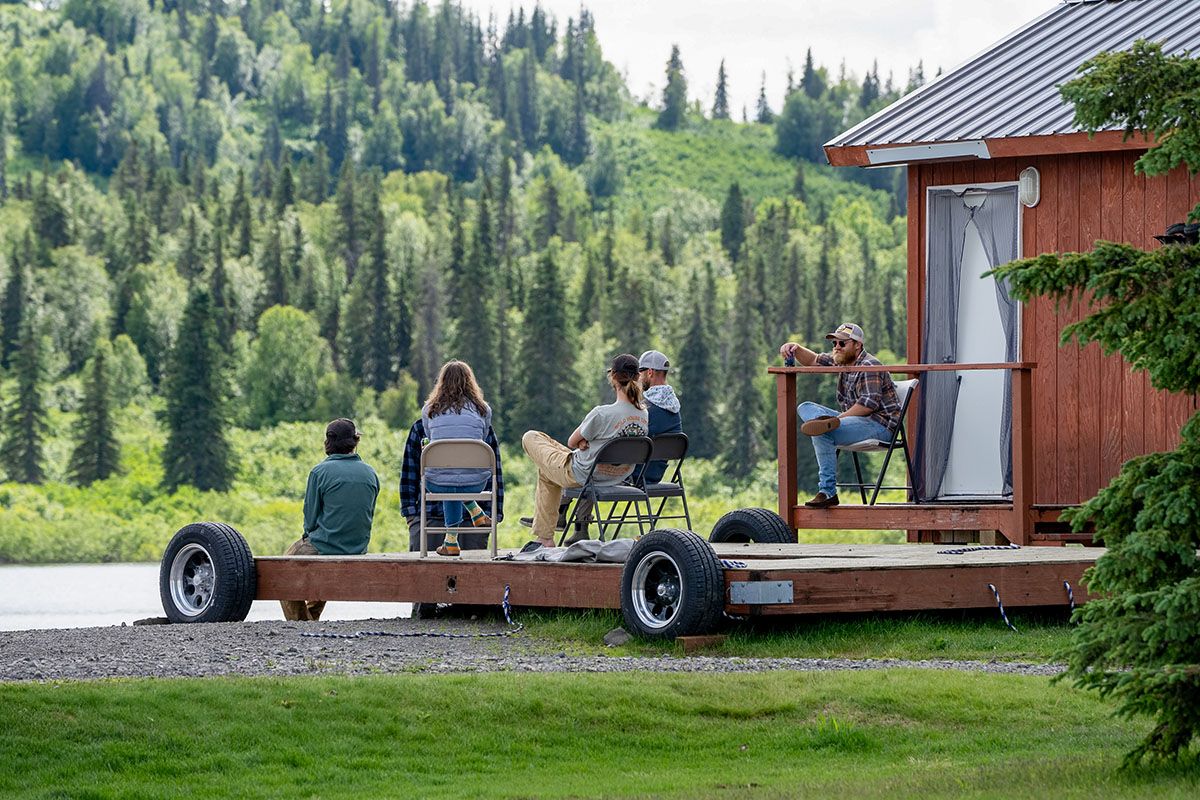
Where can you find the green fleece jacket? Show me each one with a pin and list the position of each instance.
(339, 505)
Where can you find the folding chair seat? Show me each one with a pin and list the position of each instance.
(463, 454)
(669, 447)
(623, 451)
(899, 438)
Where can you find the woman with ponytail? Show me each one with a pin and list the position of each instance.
(562, 467)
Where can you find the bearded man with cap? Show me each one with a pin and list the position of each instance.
(661, 403)
(339, 507)
(870, 408)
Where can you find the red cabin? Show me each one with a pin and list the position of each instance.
(997, 170)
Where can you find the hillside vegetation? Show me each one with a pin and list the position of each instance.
(224, 218)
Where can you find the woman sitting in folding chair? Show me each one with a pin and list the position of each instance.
(562, 467)
(456, 410)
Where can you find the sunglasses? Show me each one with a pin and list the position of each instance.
(840, 343)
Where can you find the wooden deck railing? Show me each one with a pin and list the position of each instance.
(1019, 527)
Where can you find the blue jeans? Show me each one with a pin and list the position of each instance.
(453, 509)
(851, 430)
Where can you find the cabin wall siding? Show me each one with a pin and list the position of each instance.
(1091, 412)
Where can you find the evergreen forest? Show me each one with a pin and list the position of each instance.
(223, 219)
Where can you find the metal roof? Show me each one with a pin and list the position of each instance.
(1011, 89)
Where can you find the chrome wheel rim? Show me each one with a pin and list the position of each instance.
(193, 580)
(658, 593)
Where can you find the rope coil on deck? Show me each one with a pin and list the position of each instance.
(1070, 595)
(1000, 605)
(729, 563)
(977, 548)
(514, 628)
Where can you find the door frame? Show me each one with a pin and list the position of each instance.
(962, 187)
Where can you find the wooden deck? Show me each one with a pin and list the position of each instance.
(1014, 520)
(824, 578)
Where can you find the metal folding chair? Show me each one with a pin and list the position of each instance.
(464, 454)
(669, 447)
(899, 438)
(622, 451)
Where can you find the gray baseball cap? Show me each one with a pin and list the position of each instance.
(847, 330)
(652, 359)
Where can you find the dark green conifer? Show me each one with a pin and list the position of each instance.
(674, 108)
(697, 372)
(476, 340)
(26, 426)
(197, 452)
(720, 109)
(733, 221)
(547, 399)
(743, 445)
(96, 455)
(12, 314)
(239, 217)
(3, 155)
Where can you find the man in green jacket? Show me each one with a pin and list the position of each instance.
(339, 505)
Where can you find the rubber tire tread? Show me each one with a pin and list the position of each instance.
(237, 578)
(754, 525)
(702, 576)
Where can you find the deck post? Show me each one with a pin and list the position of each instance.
(1021, 530)
(785, 409)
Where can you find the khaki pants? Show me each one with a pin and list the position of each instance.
(553, 462)
(307, 610)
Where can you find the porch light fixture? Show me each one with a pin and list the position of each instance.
(1030, 187)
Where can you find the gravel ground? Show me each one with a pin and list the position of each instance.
(277, 648)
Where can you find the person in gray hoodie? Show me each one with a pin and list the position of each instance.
(662, 403)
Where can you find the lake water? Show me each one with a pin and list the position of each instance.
(87, 595)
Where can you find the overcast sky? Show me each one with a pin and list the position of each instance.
(754, 36)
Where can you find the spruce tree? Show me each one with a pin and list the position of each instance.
(380, 353)
(674, 107)
(697, 373)
(239, 217)
(197, 452)
(743, 444)
(276, 293)
(528, 109)
(97, 454)
(12, 314)
(221, 299)
(763, 113)
(26, 426)
(577, 144)
(813, 82)
(348, 231)
(547, 398)
(798, 190)
(720, 109)
(285, 190)
(476, 340)
(733, 221)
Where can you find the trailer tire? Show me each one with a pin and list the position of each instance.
(207, 575)
(672, 585)
(752, 525)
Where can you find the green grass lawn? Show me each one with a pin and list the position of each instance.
(878, 734)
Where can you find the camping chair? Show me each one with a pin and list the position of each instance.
(669, 447)
(463, 454)
(624, 451)
(899, 438)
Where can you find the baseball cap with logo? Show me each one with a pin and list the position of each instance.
(652, 359)
(847, 330)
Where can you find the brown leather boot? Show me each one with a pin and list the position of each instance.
(822, 500)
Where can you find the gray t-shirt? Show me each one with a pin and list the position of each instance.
(602, 424)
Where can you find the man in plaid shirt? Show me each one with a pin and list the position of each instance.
(410, 494)
(870, 408)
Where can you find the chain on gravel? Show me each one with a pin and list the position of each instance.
(513, 628)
